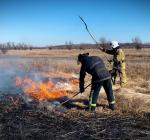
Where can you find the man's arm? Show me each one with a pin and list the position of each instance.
(81, 79)
(109, 51)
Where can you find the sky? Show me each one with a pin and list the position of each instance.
(54, 22)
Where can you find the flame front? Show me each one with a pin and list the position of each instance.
(45, 90)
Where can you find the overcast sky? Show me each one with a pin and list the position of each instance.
(51, 22)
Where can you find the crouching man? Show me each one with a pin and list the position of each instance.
(100, 77)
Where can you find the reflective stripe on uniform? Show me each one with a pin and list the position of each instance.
(98, 62)
(91, 97)
(113, 102)
(92, 105)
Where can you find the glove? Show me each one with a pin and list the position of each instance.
(81, 89)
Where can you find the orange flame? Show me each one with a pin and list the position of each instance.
(44, 90)
(18, 81)
(74, 81)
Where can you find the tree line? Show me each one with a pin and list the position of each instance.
(136, 43)
(4, 47)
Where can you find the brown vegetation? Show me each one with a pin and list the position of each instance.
(25, 122)
(131, 120)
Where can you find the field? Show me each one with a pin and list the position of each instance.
(20, 119)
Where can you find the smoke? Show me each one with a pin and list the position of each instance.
(9, 69)
(30, 79)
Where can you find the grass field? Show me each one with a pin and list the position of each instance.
(131, 120)
(137, 61)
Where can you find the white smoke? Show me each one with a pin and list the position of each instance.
(9, 69)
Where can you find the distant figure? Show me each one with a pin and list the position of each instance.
(100, 77)
(118, 60)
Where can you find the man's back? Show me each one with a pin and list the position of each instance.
(95, 66)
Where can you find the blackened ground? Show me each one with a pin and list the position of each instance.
(18, 122)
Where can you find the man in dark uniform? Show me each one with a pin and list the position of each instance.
(100, 77)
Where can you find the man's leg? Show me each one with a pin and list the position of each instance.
(94, 95)
(123, 78)
(109, 92)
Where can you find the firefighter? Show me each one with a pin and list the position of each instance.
(118, 61)
(100, 77)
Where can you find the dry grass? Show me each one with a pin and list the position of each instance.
(18, 122)
(69, 66)
(138, 65)
(145, 84)
(138, 71)
(133, 106)
(129, 121)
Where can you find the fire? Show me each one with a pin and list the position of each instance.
(74, 81)
(46, 89)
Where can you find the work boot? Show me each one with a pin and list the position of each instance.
(112, 106)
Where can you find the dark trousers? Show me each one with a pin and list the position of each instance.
(96, 86)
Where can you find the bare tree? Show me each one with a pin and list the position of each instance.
(8, 45)
(69, 45)
(3, 48)
(103, 42)
(137, 43)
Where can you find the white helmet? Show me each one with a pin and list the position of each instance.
(114, 44)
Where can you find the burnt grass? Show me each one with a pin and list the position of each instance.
(19, 122)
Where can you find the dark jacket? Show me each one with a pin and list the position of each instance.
(94, 66)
